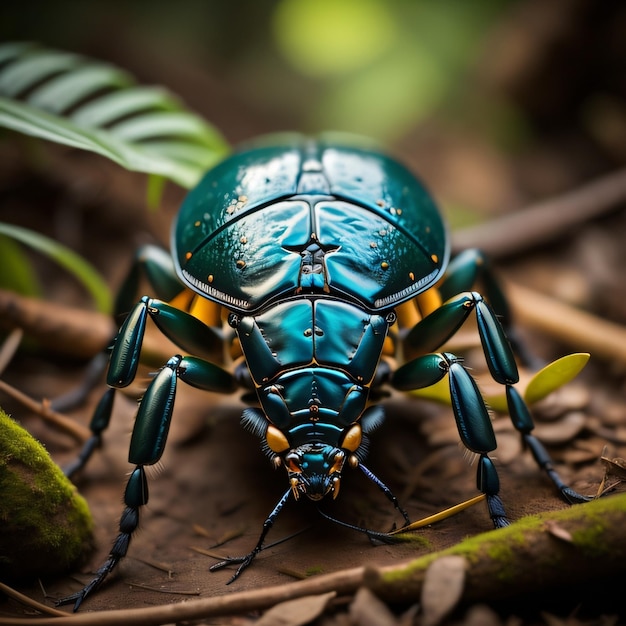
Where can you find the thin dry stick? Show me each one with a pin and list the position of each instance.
(29, 602)
(58, 420)
(543, 222)
(67, 330)
(575, 328)
(343, 582)
(9, 347)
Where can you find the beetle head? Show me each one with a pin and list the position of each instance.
(314, 469)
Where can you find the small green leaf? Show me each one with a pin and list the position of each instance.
(439, 392)
(555, 375)
(85, 273)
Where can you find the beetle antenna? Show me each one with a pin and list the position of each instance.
(374, 535)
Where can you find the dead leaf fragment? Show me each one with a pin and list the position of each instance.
(558, 531)
(443, 586)
(615, 467)
(368, 610)
(296, 612)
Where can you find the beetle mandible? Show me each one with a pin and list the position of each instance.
(329, 259)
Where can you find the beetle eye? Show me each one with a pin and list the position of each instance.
(293, 463)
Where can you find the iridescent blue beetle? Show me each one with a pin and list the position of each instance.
(331, 262)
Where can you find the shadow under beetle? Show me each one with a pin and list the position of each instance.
(331, 261)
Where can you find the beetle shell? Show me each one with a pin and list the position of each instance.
(242, 234)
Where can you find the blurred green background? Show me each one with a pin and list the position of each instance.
(495, 102)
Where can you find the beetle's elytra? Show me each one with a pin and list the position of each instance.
(332, 262)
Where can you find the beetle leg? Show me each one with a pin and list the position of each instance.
(470, 413)
(388, 493)
(523, 422)
(147, 445)
(245, 560)
(157, 266)
(472, 268)
(99, 423)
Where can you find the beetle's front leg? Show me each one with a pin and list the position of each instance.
(470, 413)
(245, 560)
(183, 329)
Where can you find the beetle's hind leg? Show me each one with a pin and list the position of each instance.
(469, 408)
(471, 415)
(471, 269)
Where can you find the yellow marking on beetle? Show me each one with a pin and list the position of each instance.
(188, 255)
(384, 265)
(276, 440)
(243, 240)
(241, 264)
(352, 439)
(183, 299)
(206, 311)
(428, 301)
(435, 258)
(197, 223)
(210, 278)
(412, 276)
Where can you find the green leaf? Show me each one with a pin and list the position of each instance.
(555, 375)
(71, 100)
(17, 274)
(439, 392)
(85, 273)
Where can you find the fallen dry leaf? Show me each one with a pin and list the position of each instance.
(296, 612)
(443, 587)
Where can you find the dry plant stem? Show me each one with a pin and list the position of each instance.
(526, 557)
(71, 331)
(543, 222)
(9, 348)
(575, 328)
(26, 601)
(79, 432)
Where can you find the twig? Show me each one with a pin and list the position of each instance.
(62, 422)
(519, 231)
(33, 604)
(521, 559)
(68, 330)
(575, 328)
(526, 557)
(9, 347)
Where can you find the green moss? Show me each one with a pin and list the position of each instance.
(587, 524)
(46, 525)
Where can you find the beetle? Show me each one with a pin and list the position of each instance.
(331, 262)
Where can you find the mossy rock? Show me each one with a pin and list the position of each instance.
(45, 525)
